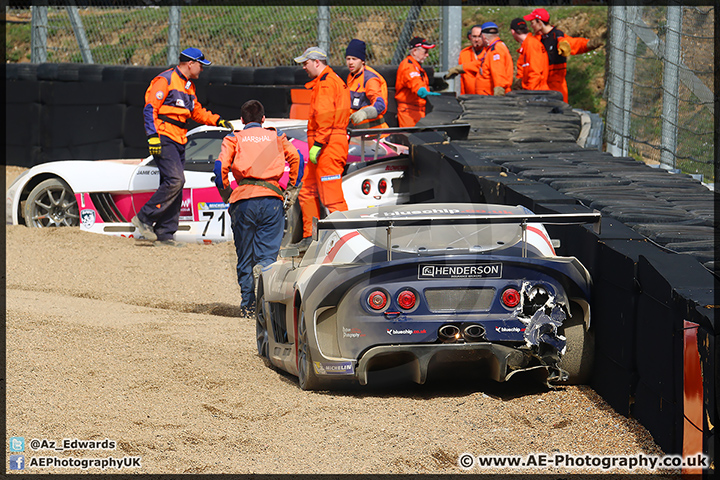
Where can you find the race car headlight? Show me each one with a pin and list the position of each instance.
(366, 187)
(406, 299)
(377, 300)
(510, 297)
(382, 186)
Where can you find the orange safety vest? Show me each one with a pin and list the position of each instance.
(253, 154)
(368, 88)
(169, 101)
(497, 69)
(532, 64)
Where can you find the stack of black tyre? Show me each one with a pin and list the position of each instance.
(533, 135)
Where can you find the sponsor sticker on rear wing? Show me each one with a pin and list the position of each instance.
(407, 219)
(421, 220)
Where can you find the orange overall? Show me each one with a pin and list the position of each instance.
(368, 88)
(497, 69)
(532, 64)
(410, 78)
(471, 66)
(558, 63)
(327, 127)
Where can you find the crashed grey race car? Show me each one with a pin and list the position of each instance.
(418, 288)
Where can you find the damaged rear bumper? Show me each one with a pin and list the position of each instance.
(503, 361)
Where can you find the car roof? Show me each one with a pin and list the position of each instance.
(278, 123)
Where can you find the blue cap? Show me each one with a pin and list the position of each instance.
(194, 54)
(356, 48)
(488, 26)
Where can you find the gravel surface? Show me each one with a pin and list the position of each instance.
(109, 338)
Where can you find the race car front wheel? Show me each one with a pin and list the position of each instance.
(51, 204)
(307, 378)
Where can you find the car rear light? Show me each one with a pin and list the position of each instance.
(377, 300)
(366, 187)
(382, 186)
(406, 299)
(511, 297)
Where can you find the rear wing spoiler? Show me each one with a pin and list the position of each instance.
(422, 220)
(456, 131)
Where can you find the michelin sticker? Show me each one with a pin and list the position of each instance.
(334, 368)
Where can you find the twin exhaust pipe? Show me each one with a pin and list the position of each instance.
(471, 333)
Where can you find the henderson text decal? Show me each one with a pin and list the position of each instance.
(489, 270)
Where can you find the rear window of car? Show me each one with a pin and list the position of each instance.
(434, 239)
(202, 150)
(297, 133)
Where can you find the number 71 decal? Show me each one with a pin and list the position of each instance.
(214, 228)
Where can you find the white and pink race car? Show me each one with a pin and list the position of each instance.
(102, 196)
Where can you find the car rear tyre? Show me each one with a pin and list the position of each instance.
(307, 378)
(51, 203)
(261, 331)
(580, 352)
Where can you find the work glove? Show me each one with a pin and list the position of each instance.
(517, 84)
(225, 193)
(315, 152)
(596, 42)
(564, 48)
(453, 72)
(363, 114)
(499, 91)
(154, 146)
(222, 123)
(423, 92)
(290, 195)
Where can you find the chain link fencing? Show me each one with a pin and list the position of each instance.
(250, 36)
(672, 126)
(660, 86)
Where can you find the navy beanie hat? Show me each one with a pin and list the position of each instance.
(356, 48)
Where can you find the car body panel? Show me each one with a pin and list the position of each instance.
(110, 192)
(459, 287)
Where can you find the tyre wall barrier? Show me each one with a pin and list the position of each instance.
(90, 112)
(653, 310)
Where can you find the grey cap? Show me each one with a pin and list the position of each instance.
(312, 53)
